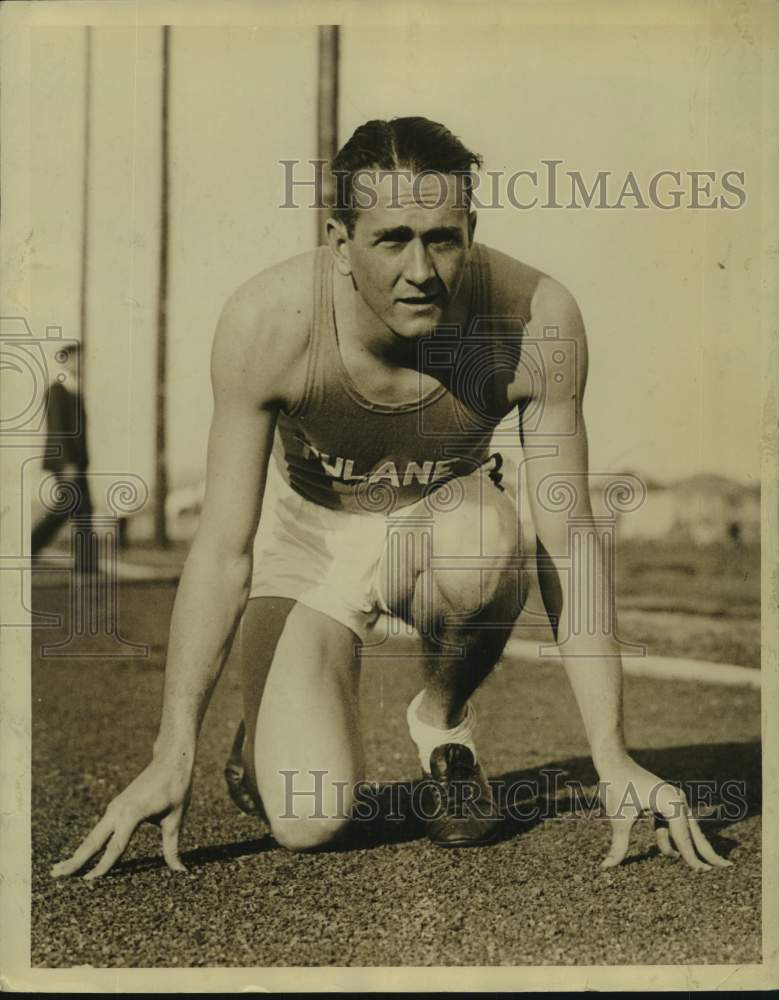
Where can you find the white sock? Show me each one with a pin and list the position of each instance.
(427, 737)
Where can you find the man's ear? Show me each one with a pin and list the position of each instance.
(471, 226)
(338, 241)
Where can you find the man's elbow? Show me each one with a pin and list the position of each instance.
(220, 560)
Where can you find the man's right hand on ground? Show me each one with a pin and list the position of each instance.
(160, 794)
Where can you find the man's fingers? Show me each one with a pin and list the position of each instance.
(620, 839)
(89, 846)
(703, 847)
(171, 826)
(680, 832)
(114, 850)
(663, 838)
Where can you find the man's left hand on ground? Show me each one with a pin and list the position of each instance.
(627, 790)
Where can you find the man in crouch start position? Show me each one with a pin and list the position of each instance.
(356, 391)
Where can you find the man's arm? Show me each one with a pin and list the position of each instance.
(580, 604)
(212, 593)
(214, 586)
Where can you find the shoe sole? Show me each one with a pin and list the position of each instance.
(481, 842)
(235, 778)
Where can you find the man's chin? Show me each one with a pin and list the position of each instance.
(420, 326)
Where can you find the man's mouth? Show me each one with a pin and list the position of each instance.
(420, 300)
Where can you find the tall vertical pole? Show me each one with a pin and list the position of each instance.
(87, 143)
(161, 463)
(327, 115)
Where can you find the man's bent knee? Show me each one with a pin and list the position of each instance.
(468, 591)
(484, 523)
(309, 834)
(477, 552)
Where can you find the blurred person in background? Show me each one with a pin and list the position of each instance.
(67, 458)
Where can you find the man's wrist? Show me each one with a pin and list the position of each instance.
(609, 752)
(175, 752)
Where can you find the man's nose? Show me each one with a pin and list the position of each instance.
(418, 268)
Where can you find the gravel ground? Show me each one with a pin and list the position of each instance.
(665, 633)
(389, 898)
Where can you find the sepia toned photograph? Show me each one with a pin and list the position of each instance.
(388, 444)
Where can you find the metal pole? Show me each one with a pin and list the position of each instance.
(161, 465)
(327, 115)
(87, 143)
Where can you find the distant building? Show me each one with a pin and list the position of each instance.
(704, 509)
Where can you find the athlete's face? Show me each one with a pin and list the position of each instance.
(409, 249)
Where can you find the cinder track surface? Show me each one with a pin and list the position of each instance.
(536, 896)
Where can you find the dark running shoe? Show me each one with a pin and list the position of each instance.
(235, 776)
(456, 799)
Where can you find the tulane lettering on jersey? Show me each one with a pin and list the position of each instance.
(389, 471)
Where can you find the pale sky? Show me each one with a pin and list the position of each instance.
(670, 298)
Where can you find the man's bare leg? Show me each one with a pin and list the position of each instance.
(304, 750)
(465, 602)
(462, 589)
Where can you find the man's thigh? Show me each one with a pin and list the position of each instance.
(301, 689)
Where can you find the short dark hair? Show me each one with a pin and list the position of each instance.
(416, 144)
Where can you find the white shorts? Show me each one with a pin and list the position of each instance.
(326, 559)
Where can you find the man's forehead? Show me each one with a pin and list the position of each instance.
(402, 189)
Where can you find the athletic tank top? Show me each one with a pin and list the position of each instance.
(340, 450)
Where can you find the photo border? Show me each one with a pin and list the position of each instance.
(16, 23)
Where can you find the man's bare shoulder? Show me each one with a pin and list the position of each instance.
(264, 329)
(550, 316)
(277, 300)
(527, 292)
